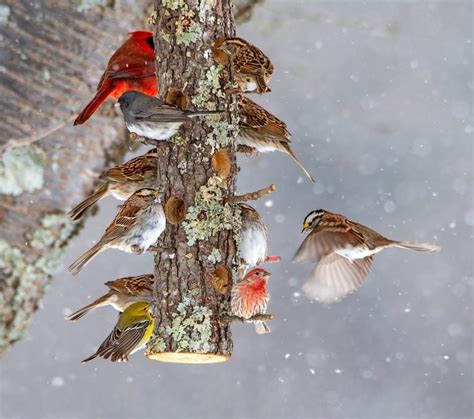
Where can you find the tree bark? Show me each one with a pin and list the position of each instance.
(193, 271)
(53, 53)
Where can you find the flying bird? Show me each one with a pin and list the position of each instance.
(342, 251)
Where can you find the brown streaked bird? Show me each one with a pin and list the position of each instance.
(252, 69)
(131, 333)
(343, 251)
(122, 293)
(264, 132)
(122, 181)
(136, 227)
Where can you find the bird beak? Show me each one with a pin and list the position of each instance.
(305, 227)
(267, 276)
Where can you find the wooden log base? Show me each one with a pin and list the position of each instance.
(188, 357)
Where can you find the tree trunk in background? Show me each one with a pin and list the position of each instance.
(194, 273)
(52, 56)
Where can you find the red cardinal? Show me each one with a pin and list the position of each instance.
(132, 67)
(249, 297)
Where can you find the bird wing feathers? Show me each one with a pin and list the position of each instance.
(125, 218)
(334, 277)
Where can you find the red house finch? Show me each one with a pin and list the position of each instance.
(131, 67)
(249, 297)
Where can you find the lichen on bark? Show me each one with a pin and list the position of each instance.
(188, 304)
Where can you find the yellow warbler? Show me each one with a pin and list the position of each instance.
(130, 334)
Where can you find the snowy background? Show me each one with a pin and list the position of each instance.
(378, 96)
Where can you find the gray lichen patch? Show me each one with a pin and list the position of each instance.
(4, 14)
(209, 215)
(190, 329)
(208, 88)
(205, 9)
(86, 5)
(22, 170)
(173, 4)
(22, 268)
(215, 256)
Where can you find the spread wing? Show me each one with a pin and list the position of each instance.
(334, 277)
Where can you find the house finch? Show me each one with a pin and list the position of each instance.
(148, 116)
(131, 67)
(122, 181)
(249, 297)
(343, 252)
(122, 293)
(131, 333)
(136, 227)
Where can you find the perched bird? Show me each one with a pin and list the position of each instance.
(131, 67)
(253, 238)
(264, 132)
(343, 252)
(131, 333)
(122, 293)
(136, 227)
(122, 181)
(251, 68)
(249, 297)
(150, 117)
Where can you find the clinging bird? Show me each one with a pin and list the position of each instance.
(343, 252)
(131, 333)
(131, 67)
(251, 68)
(122, 181)
(264, 132)
(148, 116)
(136, 227)
(123, 292)
(250, 297)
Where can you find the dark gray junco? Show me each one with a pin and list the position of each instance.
(148, 116)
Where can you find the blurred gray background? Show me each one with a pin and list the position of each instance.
(378, 96)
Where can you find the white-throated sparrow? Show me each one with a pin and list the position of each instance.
(136, 227)
(343, 252)
(261, 130)
(122, 181)
(150, 117)
(122, 293)
(251, 68)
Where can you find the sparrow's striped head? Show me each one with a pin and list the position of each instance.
(312, 219)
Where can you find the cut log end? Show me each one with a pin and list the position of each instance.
(188, 357)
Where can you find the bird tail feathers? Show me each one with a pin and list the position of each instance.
(78, 211)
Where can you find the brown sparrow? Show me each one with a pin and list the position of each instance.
(343, 251)
(149, 117)
(264, 132)
(253, 238)
(251, 68)
(136, 227)
(121, 181)
(122, 293)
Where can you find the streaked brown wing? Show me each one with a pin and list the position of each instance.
(263, 121)
(322, 243)
(134, 285)
(134, 170)
(334, 277)
(125, 218)
(128, 340)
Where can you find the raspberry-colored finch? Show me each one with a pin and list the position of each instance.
(249, 297)
(131, 333)
(131, 67)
